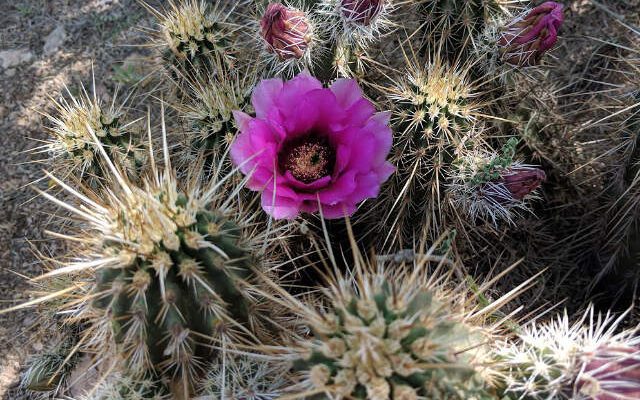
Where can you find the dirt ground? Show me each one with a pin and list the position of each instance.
(45, 45)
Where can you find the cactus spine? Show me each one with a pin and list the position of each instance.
(246, 377)
(50, 370)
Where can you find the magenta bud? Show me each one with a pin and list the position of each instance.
(521, 181)
(525, 40)
(611, 373)
(286, 31)
(362, 12)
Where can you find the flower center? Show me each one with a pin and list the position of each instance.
(308, 158)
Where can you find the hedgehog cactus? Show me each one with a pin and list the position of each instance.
(456, 23)
(195, 32)
(175, 273)
(393, 335)
(207, 108)
(352, 26)
(537, 369)
(589, 359)
(433, 112)
(123, 387)
(49, 371)
(182, 284)
(80, 126)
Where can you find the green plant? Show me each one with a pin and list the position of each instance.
(177, 271)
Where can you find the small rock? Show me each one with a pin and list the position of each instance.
(38, 346)
(10, 72)
(28, 321)
(15, 57)
(54, 40)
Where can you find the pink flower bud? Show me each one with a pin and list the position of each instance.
(286, 31)
(612, 373)
(525, 40)
(521, 181)
(362, 12)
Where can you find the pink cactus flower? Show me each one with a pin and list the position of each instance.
(526, 39)
(287, 31)
(310, 147)
(362, 12)
(611, 373)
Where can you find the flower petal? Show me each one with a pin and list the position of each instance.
(307, 187)
(347, 92)
(340, 189)
(295, 89)
(338, 211)
(265, 95)
(279, 207)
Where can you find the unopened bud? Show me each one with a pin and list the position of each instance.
(362, 12)
(286, 31)
(525, 40)
(521, 181)
(612, 373)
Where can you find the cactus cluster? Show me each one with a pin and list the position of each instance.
(463, 152)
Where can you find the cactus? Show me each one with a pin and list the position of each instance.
(76, 126)
(433, 112)
(394, 333)
(193, 34)
(591, 358)
(457, 23)
(207, 104)
(175, 273)
(352, 26)
(122, 387)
